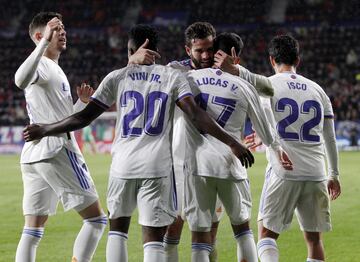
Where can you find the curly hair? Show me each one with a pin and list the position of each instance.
(198, 30)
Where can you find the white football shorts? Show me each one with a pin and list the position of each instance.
(180, 183)
(280, 198)
(64, 177)
(201, 200)
(154, 197)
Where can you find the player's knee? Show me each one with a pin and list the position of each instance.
(312, 238)
(174, 230)
(151, 234)
(94, 210)
(35, 221)
(120, 224)
(240, 228)
(201, 237)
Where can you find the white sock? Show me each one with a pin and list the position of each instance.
(313, 260)
(116, 247)
(267, 250)
(154, 252)
(213, 257)
(171, 249)
(246, 248)
(29, 241)
(88, 238)
(200, 252)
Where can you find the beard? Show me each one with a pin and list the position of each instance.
(200, 64)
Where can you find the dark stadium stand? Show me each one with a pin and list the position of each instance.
(328, 32)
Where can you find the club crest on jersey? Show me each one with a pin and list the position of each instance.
(64, 87)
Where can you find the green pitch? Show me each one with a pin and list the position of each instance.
(343, 244)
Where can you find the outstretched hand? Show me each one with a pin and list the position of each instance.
(143, 56)
(84, 92)
(34, 132)
(243, 154)
(334, 188)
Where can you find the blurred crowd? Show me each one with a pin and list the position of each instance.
(327, 30)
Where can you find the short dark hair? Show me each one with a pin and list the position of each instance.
(140, 32)
(225, 41)
(284, 49)
(41, 19)
(198, 30)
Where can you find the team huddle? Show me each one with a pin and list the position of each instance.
(179, 152)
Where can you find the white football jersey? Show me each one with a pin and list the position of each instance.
(227, 99)
(145, 98)
(179, 136)
(299, 107)
(48, 100)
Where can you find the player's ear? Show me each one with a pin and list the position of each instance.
(272, 61)
(188, 50)
(38, 36)
(297, 62)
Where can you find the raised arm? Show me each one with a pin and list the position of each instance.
(28, 72)
(71, 123)
(205, 123)
(230, 65)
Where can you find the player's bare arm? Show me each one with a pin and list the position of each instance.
(205, 123)
(71, 123)
(143, 56)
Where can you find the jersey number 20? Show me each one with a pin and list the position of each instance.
(152, 99)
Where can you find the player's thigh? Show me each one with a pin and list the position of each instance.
(200, 200)
(179, 182)
(236, 198)
(156, 201)
(219, 211)
(121, 197)
(72, 181)
(278, 201)
(313, 208)
(39, 198)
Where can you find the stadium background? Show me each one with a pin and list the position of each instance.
(328, 32)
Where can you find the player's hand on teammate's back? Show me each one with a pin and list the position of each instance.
(143, 56)
(252, 141)
(34, 132)
(226, 62)
(52, 26)
(84, 92)
(284, 159)
(243, 154)
(334, 188)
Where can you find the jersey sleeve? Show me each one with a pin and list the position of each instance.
(259, 120)
(105, 94)
(182, 87)
(32, 70)
(261, 83)
(328, 110)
